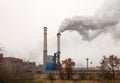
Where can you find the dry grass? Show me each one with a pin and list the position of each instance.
(79, 81)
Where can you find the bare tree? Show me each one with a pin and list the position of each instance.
(68, 66)
(110, 64)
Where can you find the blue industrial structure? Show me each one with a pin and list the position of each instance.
(51, 63)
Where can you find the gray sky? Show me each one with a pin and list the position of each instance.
(21, 30)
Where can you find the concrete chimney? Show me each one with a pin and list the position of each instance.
(45, 48)
(45, 39)
(58, 65)
(58, 42)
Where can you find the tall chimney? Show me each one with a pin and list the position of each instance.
(58, 65)
(45, 49)
(58, 42)
(45, 39)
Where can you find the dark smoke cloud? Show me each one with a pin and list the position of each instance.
(105, 20)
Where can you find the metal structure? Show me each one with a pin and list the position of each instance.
(51, 63)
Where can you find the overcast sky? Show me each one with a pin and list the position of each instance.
(21, 30)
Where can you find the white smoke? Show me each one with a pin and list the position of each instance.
(106, 19)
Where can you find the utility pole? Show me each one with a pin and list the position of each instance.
(87, 62)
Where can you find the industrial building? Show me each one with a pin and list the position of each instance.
(51, 62)
(1, 59)
(28, 70)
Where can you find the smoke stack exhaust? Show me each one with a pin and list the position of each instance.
(105, 20)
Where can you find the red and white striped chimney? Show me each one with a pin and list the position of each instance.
(45, 39)
(44, 49)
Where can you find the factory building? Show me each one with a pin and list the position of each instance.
(51, 62)
(28, 70)
(1, 58)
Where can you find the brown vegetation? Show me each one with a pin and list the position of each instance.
(68, 66)
(14, 75)
(109, 65)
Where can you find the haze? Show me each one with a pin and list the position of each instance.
(21, 30)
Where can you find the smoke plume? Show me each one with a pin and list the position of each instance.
(105, 20)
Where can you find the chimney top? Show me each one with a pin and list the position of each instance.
(58, 33)
(45, 27)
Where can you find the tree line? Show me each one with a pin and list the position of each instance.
(109, 69)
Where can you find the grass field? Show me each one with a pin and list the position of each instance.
(72, 81)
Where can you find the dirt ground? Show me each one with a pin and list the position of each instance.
(78, 81)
